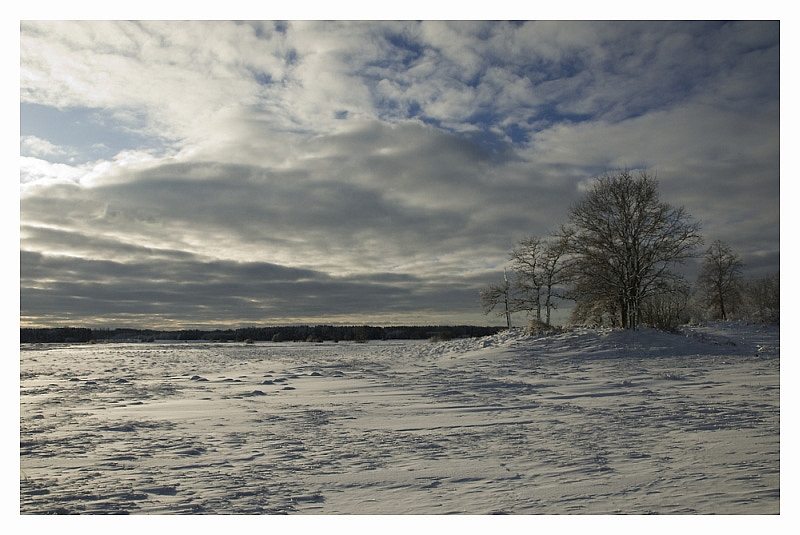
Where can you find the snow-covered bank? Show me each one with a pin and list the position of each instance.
(577, 422)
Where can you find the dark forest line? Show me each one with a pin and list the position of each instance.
(296, 333)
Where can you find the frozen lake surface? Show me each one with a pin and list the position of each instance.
(580, 422)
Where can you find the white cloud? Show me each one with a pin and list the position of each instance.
(179, 74)
(41, 148)
(38, 171)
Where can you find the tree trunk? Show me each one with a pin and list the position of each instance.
(623, 313)
(547, 304)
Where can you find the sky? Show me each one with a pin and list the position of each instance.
(215, 174)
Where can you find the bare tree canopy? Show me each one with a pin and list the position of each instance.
(720, 277)
(625, 240)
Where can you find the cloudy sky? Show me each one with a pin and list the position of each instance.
(180, 174)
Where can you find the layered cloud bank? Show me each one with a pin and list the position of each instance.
(226, 173)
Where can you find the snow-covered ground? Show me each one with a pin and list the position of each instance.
(578, 422)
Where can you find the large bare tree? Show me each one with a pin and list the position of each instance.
(625, 241)
(720, 277)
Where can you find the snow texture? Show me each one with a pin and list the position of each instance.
(583, 421)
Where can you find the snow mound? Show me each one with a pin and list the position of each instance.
(708, 338)
(503, 338)
(596, 343)
(690, 340)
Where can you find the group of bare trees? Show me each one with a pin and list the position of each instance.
(539, 274)
(723, 293)
(616, 260)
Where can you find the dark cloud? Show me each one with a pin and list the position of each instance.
(92, 246)
(198, 292)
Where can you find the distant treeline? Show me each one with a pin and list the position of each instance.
(298, 333)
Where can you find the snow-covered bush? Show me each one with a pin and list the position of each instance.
(537, 327)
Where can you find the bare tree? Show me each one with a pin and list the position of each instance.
(554, 269)
(496, 294)
(625, 240)
(526, 262)
(720, 277)
(538, 273)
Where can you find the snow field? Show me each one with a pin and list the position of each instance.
(582, 421)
